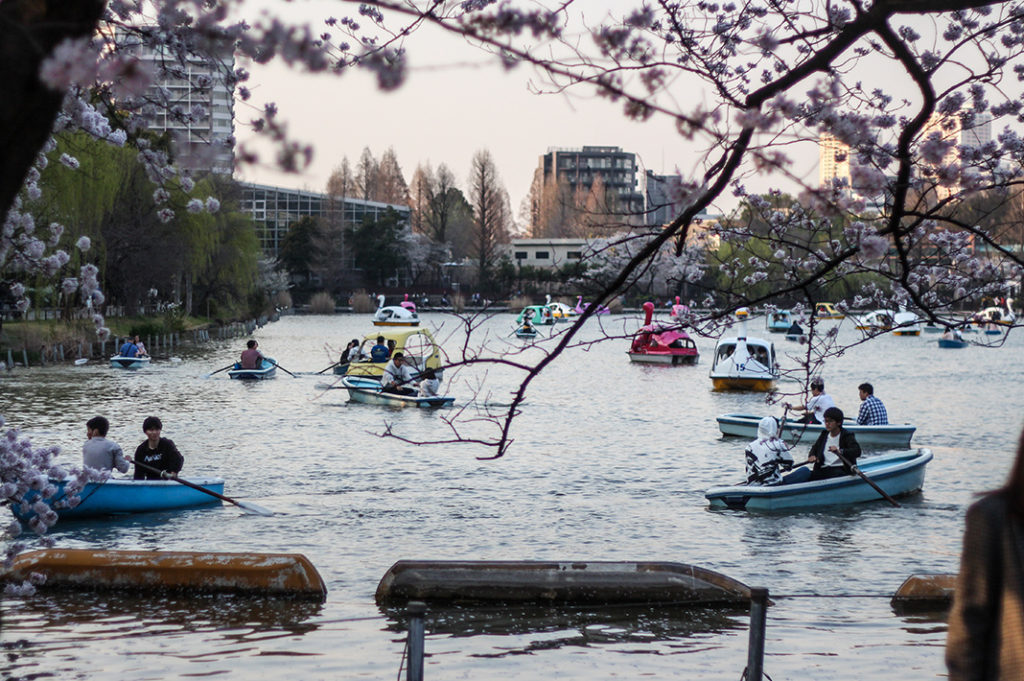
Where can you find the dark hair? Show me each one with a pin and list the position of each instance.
(354, 341)
(817, 382)
(867, 387)
(98, 423)
(380, 339)
(428, 374)
(152, 422)
(1013, 490)
(834, 414)
(250, 344)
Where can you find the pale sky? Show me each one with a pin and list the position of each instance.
(456, 100)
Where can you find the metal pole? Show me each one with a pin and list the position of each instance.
(414, 663)
(755, 648)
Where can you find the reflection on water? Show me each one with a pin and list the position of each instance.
(610, 462)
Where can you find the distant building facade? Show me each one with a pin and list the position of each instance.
(274, 209)
(833, 160)
(546, 253)
(197, 104)
(951, 127)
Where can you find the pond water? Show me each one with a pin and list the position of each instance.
(610, 462)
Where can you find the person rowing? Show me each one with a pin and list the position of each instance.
(397, 376)
(833, 454)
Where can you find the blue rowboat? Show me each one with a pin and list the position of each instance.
(368, 391)
(898, 474)
(526, 333)
(892, 435)
(119, 362)
(268, 369)
(952, 343)
(122, 496)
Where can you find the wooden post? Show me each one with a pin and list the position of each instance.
(414, 663)
(755, 646)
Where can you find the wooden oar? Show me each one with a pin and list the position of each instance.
(280, 367)
(867, 480)
(340, 361)
(220, 370)
(244, 505)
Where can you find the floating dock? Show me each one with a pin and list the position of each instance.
(557, 583)
(279, 574)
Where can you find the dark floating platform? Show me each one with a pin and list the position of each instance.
(557, 583)
(925, 592)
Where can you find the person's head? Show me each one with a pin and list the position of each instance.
(380, 340)
(251, 344)
(135, 339)
(833, 419)
(152, 424)
(865, 390)
(392, 344)
(817, 385)
(429, 374)
(767, 428)
(399, 358)
(98, 424)
(353, 343)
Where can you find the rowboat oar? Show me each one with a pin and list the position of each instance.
(230, 366)
(340, 361)
(280, 367)
(868, 480)
(168, 475)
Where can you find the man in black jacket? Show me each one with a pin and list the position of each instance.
(836, 449)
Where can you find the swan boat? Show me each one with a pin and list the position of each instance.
(778, 321)
(267, 369)
(892, 435)
(395, 315)
(906, 323)
(827, 311)
(536, 314)
(658, 343)
(582, 307)
(898, 474)
(119, 362)
(559, 311)
(120, 496)
(744, 363)
(368, 391)
(998, 314)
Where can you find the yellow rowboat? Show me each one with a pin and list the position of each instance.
(760, 385)
(827, 311)
(282, 574)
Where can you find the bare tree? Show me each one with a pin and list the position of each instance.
(491, 213)
(391, 185)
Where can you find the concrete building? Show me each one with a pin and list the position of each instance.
(951, 128)
(833, 160)
(580, 167)
(546, 253)
(274, 209)
(194, 102)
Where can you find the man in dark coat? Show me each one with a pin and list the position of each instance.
(835, 450)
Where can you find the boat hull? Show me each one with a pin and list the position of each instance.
(124, 496)
(952, 343)
(663, 358)
(892, 435)
(268, 369)
(119, 362)
(389, 323)
(724, 383)
(897, 475)
(554, 582)
(368, 391)
(283, 574)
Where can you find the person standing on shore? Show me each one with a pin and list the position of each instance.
(985, 640)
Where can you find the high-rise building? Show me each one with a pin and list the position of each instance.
(951, 128)
(581, 167)
(833, 160)
(193, 99)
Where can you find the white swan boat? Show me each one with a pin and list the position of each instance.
(743, 362)
(395, 315)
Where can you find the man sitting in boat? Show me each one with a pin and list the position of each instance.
(397, 376)
(379, 352)
(100, 453)
(872, 411)
(952, 334)
(129, 349)
(251, 357)
(157, 452)
(831, 448)
(816, 406)
(768, 455)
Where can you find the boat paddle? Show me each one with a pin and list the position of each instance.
(280, 367)
(230, 366)
(868, 480)
(168, 475)
(340, 361)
